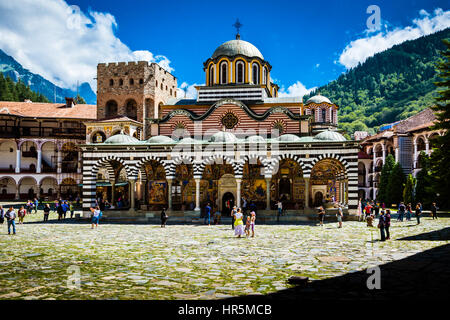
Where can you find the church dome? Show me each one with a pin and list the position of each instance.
(318, 99)
(234, 47)
(329, 135)
(121, 139)
(223, 136)
(288, 138)
(160, 139)
(188, 140)
(255, 139)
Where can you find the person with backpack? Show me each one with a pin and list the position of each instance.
(10, 216)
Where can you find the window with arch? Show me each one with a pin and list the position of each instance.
(324, 115)
(120, 82)
(255, 73)
(211, 75)
(131, 81)
(264, 75)
(162, 87)
(131, 109)
(141, 81)
(240, 72)
(111, 82)
(170, 91)
(111, 108)
(223, 73)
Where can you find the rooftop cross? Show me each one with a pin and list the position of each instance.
(237, 25)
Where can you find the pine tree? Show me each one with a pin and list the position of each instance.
(79, 100)
(424, 181)
(384, 178)
(395, 185)
(440, 157)
(408, 196)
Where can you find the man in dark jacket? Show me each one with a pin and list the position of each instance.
(434, 210)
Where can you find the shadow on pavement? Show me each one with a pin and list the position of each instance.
(425, 275)
(437, 235)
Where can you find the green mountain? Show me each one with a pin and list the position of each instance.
(10, 67)
(389, 86)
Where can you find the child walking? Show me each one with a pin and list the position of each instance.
(252, 223)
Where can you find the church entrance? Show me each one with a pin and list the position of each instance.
(318, 199)
(227, 203)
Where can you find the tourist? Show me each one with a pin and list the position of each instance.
(339, 216)
(65, 207)
(233, 212)
(71, 209)
(252, 222)
(247, 226)
(434, 210)
(10, 216)
(369, 220)
(387, 223)
(2, 215)
(208, 214)
(60, 210)
(217, 216)
(360, 210)
(56, 205)
(96, 214)
(46, 212)
(381, 225)
(36, 204)
(280, 210)
(253, 206)
(401, 211)
(164, 218)
(418, 212)
(21, 214)
(408, 212)
(321, 215)
(29, 207)
(238, 224)
(377, 209)
(368, 210)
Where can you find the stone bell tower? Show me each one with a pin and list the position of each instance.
(136, 90)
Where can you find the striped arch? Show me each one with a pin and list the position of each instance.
(251, 159)
(106, 162)
(329, 156)
(275, 162)
(139, 165)
(213, 159)
(177, 161)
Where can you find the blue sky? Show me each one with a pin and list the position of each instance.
(308, 43)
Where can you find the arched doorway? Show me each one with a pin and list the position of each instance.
(254, 184)
(227, 203)
(327, 177)
(156, 185)
(213, 187)
(288, 185)
(318, 199)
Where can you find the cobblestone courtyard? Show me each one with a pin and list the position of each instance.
(125, 261)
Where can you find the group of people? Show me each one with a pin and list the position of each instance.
(237, 222)
(61, 207)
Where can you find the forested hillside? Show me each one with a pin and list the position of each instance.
(12, 91)
(390, 86)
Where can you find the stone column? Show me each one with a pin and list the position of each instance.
(113, 192)
(17, 192)
(383, 148)
(374, 160)
(79, 162)
(415, 155)
(18, 161)
(397, 159)
(346, 191)
(238, 192)
(268, 193)
(169, 194)
(39, 161)
(427, 147)
(197, 194)
(306, 192)
(59, 162)
(131, 193)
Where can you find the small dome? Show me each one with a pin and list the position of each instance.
(223, 136)
(255, 139)
(234, 47)
(188, 140)
(121, 139)
(318, 99)
(160, 139)
(306, 139)
(288, 138)
(329, 135)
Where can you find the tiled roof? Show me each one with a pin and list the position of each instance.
(48, 110)
(423, 126)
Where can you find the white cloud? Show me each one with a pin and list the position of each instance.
(62, 43)
(361, 49)
(295, 90)
(317, 65)
(188, 91)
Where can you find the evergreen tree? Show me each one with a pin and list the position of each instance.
(384, 179)
(79, 100)
(424, 181)
(395, 185)
(11, 91)
(408, 196)
(440, 158)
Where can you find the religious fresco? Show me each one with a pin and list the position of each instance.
(288, 184)
(183, 186)
(325, 172)
(254, 186)
(209, 184)
(157, 192)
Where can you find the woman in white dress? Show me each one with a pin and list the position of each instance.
(238, 224)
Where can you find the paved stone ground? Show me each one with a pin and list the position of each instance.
(125, 261)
